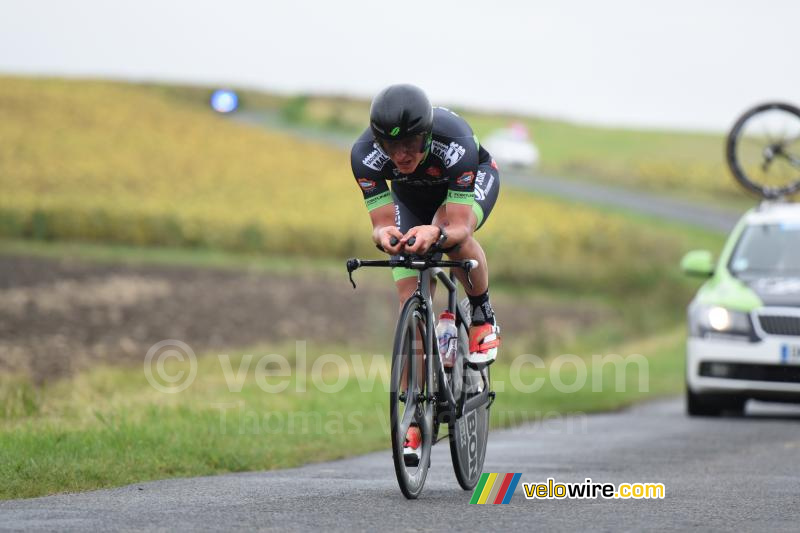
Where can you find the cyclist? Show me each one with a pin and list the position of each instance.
(444, 185)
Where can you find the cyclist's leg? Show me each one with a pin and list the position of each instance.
(409, 213)
(411, 208)
(484, 333)
(487, 187)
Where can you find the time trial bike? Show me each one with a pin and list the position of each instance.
(434, 395)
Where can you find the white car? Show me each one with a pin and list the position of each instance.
(512, 147)
(744, 322)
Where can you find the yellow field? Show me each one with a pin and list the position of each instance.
(111, 162)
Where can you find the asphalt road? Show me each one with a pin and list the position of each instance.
(704, 216)
(719, 474)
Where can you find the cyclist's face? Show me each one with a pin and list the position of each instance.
(405, 153)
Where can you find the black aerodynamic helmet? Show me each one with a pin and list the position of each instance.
(400, 111)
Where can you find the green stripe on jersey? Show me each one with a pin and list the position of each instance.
(380, 200)
(461, 197)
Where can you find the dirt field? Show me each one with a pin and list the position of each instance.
(59, 317)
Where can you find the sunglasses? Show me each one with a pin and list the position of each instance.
(413, 144)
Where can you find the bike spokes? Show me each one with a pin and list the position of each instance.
(763, 152)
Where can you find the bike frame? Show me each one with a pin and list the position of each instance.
(462, 404)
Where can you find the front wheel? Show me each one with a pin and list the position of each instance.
(763, 150)
(407, 397)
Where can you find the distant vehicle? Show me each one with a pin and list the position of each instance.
(512, 147)
(744, 322)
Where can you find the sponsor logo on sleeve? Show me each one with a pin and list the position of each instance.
(465, 179)
(379, 200)
(449, 154)
(366, 184)
(376, 159)
(480, 190)
(494, 164)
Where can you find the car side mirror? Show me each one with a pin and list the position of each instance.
(698, 263)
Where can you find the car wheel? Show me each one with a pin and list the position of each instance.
(698, 405)
(733, 405)
(713, 405)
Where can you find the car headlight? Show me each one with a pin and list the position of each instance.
(715, 320)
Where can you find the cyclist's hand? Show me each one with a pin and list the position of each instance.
(386, 237)
(426, 236)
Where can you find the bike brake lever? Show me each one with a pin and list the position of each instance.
(352, 264)
(468, 266)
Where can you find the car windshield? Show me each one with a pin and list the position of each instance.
(768, 250)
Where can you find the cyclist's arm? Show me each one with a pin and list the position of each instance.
(461, 195)
(367, 164)
(383, 223)
(459, 226)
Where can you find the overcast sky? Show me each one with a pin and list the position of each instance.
(679, 63)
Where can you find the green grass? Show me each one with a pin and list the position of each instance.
(124, 164)
(108, 427)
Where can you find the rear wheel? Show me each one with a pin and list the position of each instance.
(469, 433)
(407, 402)
(763, 150)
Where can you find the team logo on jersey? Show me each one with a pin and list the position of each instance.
(366, 184)
(465, 179)
(376, 159)
(434, 172)
(449, 154)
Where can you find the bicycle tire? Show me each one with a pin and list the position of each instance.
(471, 427)
(411, 321)
(771, 148)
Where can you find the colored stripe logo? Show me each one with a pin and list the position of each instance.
(495, 488)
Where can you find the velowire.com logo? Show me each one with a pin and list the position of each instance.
(495, 488)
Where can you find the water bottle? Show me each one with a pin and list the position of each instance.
(447, 335)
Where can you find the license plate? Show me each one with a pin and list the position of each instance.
(790, 353)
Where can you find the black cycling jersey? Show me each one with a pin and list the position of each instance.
(456, 169)
(447, 173)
